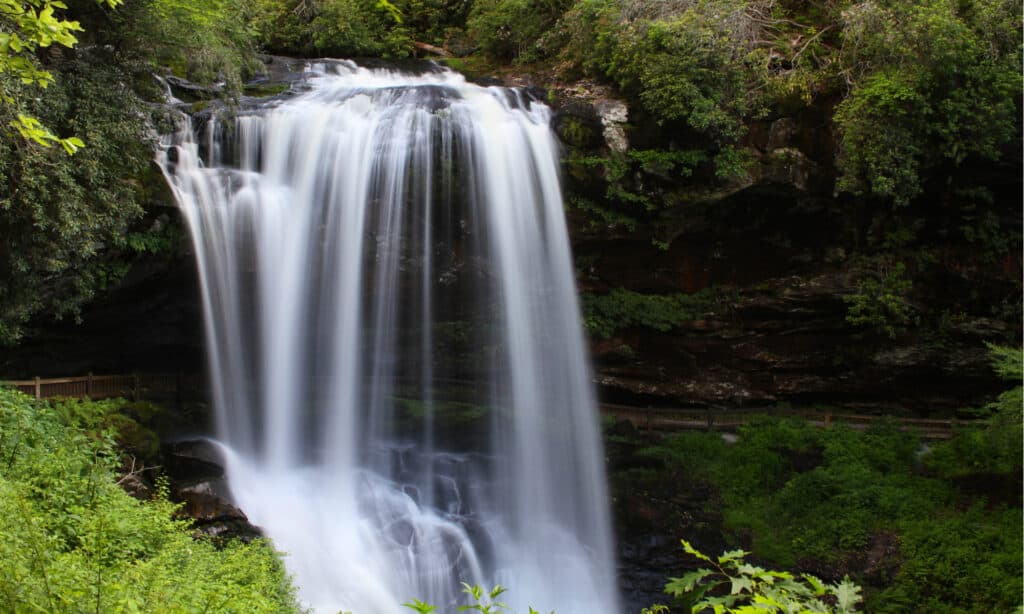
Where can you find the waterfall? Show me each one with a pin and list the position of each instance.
(398, 369)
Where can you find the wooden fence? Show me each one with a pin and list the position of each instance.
(727, 420)
(176, 386)
(135, 386)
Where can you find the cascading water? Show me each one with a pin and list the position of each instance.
(395, 347)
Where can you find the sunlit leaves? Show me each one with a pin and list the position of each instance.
(31, 129)
(72, 536)
(35, 24)
(754, 589)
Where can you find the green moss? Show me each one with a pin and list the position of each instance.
(265, 90)
(606, 314)
(574, 133)
(473, 66)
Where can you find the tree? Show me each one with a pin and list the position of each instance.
(25, 28)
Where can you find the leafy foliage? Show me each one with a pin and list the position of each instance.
(510, 29)
(483, 601)
(998, 446)
(922, 86)
(755, 589)
(59, 213)
(932, 83)
(880, 301)
(966, 562)
(25, 28)
(73, 540)
(620, 309)
(618, 191)
(352, 28)
(208, 42)
(823, 498)
(72, 224)
(360, 28)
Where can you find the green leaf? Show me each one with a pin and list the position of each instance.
(694, 552)
(816, 584)
(741, 584)
(72, 144)
(685, 584)
(732, 555)
(847, 595)
(420, 606)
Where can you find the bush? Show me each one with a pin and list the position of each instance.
(73, 540)
(363, 28)
(509, 29)
(620, 309)
(933, 83)
(799, 496)
(955, 563)
(733, 586)
(997, 446)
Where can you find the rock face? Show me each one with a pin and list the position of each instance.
(789, 256)
(197, 482)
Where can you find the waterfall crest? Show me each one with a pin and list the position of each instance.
(397, 363)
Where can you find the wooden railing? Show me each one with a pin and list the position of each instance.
(654, 420)
(135, 386)
(161, 386)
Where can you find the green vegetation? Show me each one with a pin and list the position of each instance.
(75, 541)
(633, 183)
(484, 601)
(56, 222)
(824, 499)
(25, 28)
(880, 301)
(606, 314)
(72, 224)
(932, 84)
(923, 86)
(355, 28)
(754, 589)
(998, 446)
(207, 42)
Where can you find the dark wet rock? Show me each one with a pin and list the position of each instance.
(187, 89)
(207, 501)
(196, 470)
(193, 459)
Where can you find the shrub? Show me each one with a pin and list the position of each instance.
(73, 540)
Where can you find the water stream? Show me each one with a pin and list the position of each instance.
(399, 373)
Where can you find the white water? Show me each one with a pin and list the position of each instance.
(399, 372)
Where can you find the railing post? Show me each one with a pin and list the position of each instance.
(135, 387)
(828, 419)
(711, 421)
(38, 388)
(88, 385)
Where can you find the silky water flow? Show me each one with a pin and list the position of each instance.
(398, 369)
